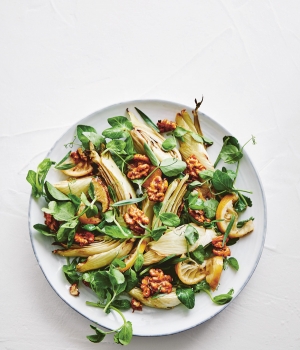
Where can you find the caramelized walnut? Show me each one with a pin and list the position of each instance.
(198, 215)
(79, 156)
(51, 222)
(136, 305)
(166, 125)
(193, 167)
(84, 238)
(134, 217)
(219, 249)
(74, 290)
(138, 167)
(157, 188)
(157, 282)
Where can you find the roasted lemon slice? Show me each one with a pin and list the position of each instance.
(101, 193)
(214, 268)
(224, 212)
(190, 272)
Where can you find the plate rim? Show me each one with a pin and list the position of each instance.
(264, 229)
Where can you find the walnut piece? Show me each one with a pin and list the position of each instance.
(193, 167)
(84, 238)
(157, 282)
(51, 222)
(157, 188)
(136, 305)
(219, 249)
(138, 167)
(134, 217)
(79, 156)
(166, 125)
(198, 215)
(74, 290)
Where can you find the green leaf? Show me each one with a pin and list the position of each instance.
(179, 132)
(128, 201)
(117, 233)
(151, 155)
(198, 254)
(37, 179)
(131, 279)
(157, 208)
(228, 229)
(70, 272)
(169, 144)
(197, 137)
(169, 219)
(158, 232)
(222, 181)
(31, 178)
(186, 296)
(122, 304)
(129, 149)
(98, 337)
(194, 202)
(230, 140)
(172, 166)
(206, 174)
(44, 230)
(81, 129)
(233, 263)
(120, 122)
(74, 199)
(138, 264)
(116, 277)
(55, 194)
(223, 298)
(124, 336)
(109, 216)
(210, 207)
(242, 223)
(191, 234)
(66, 230)
(116, 146)
(89, 227)
(115, 133)
(201, 286)
(230, 154)
(61, 166)
(65, 211)
(94, 138)
(147, 120)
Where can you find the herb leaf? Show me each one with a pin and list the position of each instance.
(172, 166)
(147, 120)
(186, 296)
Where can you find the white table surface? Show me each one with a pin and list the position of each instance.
(62, 60)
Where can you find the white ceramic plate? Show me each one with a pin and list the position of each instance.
(154, 322)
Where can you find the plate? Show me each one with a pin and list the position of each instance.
(154, 322)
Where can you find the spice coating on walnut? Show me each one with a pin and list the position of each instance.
(84, 238)
(193, 167)
(198, 215)
(218, 248)
(74, 290)
(157, 188)
(157, 282)
(166, 125)
(136, 305)
(79, 156)
(52, 223)
(138, 167)
(134, 217)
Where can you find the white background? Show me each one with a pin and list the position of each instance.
(62, 60)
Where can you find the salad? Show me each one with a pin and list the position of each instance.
(144, 217)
